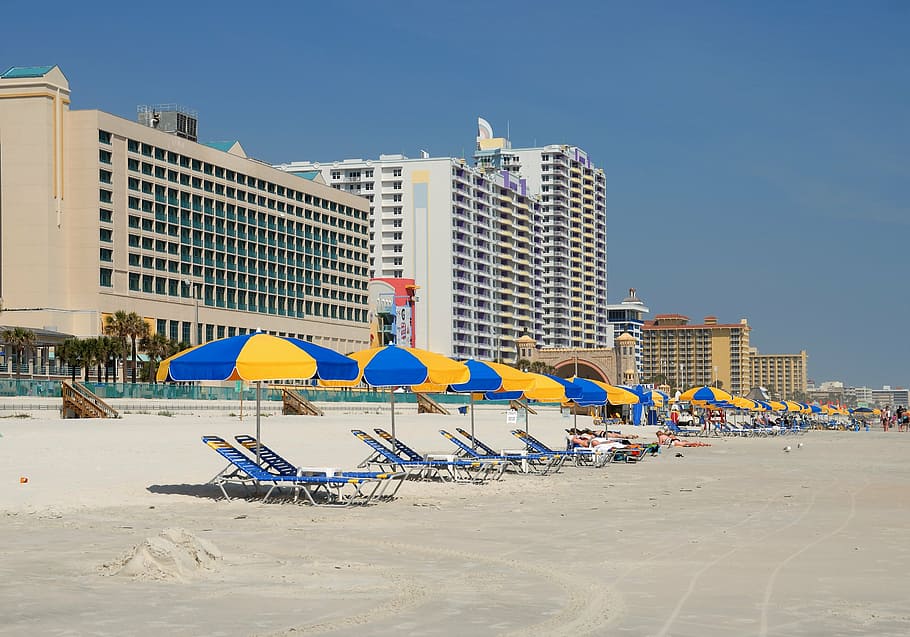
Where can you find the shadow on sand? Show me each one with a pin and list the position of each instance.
(207, 491)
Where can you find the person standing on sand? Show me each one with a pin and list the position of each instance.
(886, 417)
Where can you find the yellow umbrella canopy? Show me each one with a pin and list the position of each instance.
(545, 390)
(792, 405)
(745, 403)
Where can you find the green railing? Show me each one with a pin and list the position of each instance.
(190, 391)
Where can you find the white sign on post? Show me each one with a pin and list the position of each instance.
(512, 417)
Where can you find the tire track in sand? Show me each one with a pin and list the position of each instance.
(583, 613)
(674, 615)
(772, 579)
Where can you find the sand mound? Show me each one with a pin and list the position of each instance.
(174, 554)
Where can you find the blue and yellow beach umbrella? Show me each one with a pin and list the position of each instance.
(396, 366)
(257, 357)
(706, 394)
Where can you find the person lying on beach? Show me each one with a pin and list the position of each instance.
(601, 433)
(591, 440)
(665, 438)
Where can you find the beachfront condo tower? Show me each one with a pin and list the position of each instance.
(512, 246)
(573, 198)
(469, 239)
(99, 214)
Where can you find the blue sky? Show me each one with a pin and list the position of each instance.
(757, 154)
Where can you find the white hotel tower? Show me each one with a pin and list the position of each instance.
(515, 246)
(470, 238)
(573, 195)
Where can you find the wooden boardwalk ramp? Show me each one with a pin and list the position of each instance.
(295, 403)
(426, 405)
(80, 402)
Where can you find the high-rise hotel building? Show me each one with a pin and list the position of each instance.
(573, 197)
(469, 238)
(513, 246)
(99, 214)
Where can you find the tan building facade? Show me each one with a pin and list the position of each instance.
(685, 355)
(613, 365)
(99, 214)
(783, 375)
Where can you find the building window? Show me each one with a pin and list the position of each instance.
(105, 279)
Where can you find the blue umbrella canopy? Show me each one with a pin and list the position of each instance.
(396, 366)
(572, 391)
(592, 394)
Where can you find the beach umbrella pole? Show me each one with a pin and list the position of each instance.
(258, 401)
(473, 444)
(392, 402)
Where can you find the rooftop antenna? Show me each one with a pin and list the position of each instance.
(508, 130)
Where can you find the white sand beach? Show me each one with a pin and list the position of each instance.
(740, 538)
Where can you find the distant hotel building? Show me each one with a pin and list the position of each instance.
(690, 355)
(514, 246)
(100, 214)
(783, 375)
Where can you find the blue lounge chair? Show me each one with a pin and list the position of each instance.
(476, 442)
(281, 466)
(425, 469)
(539, 463)
(244, 471)
(682, 431)
(397, 446)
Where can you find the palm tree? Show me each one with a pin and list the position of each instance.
(90, 355)
(117, 326)
(540, 367)
(70, 352)
(157, 346)
(137, 329)
(110, 348)
(20, 339)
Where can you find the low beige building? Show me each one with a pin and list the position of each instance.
(99, 214)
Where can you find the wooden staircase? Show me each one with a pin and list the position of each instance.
(426, 405)
(295, 403)
(80, 402)
(517, 404)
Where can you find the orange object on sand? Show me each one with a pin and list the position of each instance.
(23, 480)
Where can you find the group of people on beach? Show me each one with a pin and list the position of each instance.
(899, 418)
(602, 440)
